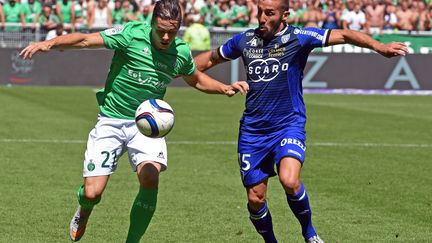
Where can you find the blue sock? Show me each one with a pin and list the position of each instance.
(262, 221)
(299, 204)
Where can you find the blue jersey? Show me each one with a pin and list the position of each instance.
(274, 74)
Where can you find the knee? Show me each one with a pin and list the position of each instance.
(149, 176)
(92, 193)
(290, 184)
(256, 200)
(149, 181)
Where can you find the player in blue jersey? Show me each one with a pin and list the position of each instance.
(272, 129)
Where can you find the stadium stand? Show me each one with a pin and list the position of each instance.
(24, 21)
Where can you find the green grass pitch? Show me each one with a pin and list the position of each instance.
(368, 170)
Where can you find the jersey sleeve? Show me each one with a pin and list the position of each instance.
(313, 37)
(118, 37)
(188, 65)
(231, 49)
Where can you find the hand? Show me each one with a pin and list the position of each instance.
(30, 50)
(393, 49)
(239, 86)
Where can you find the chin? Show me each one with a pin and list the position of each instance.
(163, 47)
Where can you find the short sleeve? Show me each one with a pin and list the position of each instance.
(118, 37)
(188, 66)
(313, 37)
(231, 50)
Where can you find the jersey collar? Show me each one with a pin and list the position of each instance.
(282, 31)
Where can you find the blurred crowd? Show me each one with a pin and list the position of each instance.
(370, 16)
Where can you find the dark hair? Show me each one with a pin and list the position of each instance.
(285, 5)
(167, 10)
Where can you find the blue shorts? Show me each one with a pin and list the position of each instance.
(259, 153)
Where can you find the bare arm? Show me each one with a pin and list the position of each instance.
(109, 23)
(90, 17)
(72, 10)
(206, 84)
(35, 21)
(75, 40)
(23, 20)
(58, 12)
(2, 18)
(360, 39)
(344, 24)
(208, 59)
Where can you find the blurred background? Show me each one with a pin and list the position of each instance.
(208, 24)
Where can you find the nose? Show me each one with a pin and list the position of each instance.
(262, 19)
(165, 36)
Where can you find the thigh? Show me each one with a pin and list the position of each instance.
(291, 143)
(142, 148)
(255, 159)
(104, 147)
(289, 174)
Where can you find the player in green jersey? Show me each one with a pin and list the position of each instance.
(13, 13)
(146, 59)
(65, 10)
(32, 9)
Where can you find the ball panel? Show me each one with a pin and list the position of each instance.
(167, 108)
(147, 124)
(154, 118)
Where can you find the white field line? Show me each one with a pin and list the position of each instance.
(317, 144)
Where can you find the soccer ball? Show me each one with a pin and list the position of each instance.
(154, 118)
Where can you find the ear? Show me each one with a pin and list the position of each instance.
(285, 15)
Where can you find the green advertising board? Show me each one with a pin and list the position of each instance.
(419, 44)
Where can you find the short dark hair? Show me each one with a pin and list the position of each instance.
(167, 10)
(285, 5)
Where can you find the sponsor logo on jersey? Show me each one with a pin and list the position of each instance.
(253, 53)
(114, 31)
(277, 51)
(255, 42)
(294, 141)
(310, 33)
(250, 33)
(149, 80)
(161, 65)
(265, 69)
